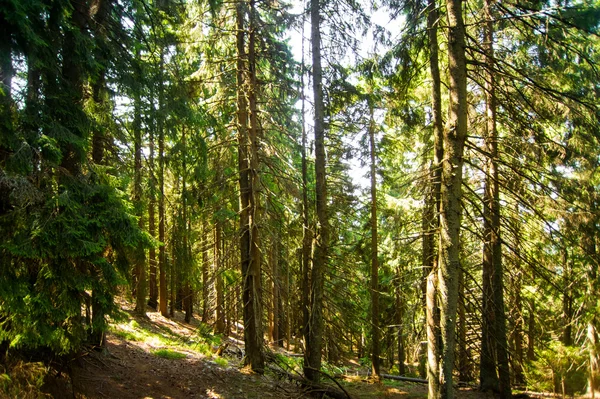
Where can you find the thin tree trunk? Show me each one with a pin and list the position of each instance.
(307, 236)
(218, 262)
(375, 333)
(433, 333)
(432, 214)
(162, 261)
(275, 331)
(518, 333)
(6, 76)
(531, 331)
(140, 261)
(567, 302)
(593, 290)
(451, 193)
(205, 276)
(314, 341)
(463, 355)
(153, 294)
(493, 194)
(399, 321)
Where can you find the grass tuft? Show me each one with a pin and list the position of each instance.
(169, 354)
(221, 362)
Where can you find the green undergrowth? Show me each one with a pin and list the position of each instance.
(169, 354)
(165, 342)
(23, 380)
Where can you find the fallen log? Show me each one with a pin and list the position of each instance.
(314, 389)
(402, 378)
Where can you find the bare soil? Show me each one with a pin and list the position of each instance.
(130, 369)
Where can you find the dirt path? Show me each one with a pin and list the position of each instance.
(131, 368)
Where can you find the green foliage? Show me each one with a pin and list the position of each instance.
(556, 367)
(23, 380)
(169, 354)
(220, 361)
(66, 251)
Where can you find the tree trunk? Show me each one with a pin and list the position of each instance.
(567, 301)
(307, 235)
(250, 257)
(433, 334)
(205, 276)
(493, 191)
(220, 308)
(153, 294)
(140, 258)
(451, 193)
(276, 292)
(463, 354)
(6, 75)
(399, 321)
(312, 357)
(375, 333)
(593, 290)
(531, 331)
(432, 214)
(162, 260)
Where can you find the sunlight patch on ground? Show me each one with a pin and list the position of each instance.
(212, 394)
(395, 391)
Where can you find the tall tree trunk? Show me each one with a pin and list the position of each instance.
(314, 341)
(276, 292)
(463, 354)
(6, 76)
(567, 302)
(517, 313)
(205, 276)
(492, 193)
(531, 331)
(162, 258)
(153, 286)
(307, 236)
(218, 262)
(431, 217)
(375, 332)
(140, 257)
(250, 256)
(518, 333)
(451, 192)
(400, 306)
(593, 289)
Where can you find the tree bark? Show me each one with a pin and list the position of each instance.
(433, 334)
(432, 212)
(451, 193)
(140, 258)
(375, 332)
(312, 358)
(205, 276)
(250, 256)
(276, 292)
(493, 241)
(463, 355)
(153, 286)
(307, 236)
(531, 331)
(162, 259)
(6, 102)
(218, 262)
(593, 289)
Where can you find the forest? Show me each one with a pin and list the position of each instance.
(409, 185)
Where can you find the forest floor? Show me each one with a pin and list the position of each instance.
(166, 358)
